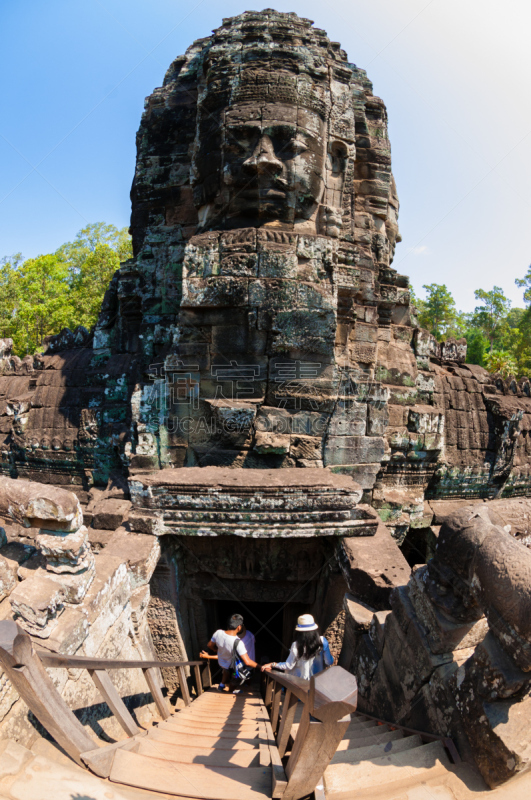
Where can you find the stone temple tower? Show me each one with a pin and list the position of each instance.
(260, 323)
(264, 223)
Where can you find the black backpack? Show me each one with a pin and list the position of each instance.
(238, 669)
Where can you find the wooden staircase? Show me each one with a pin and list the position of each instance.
(306, 737)
(218, 749)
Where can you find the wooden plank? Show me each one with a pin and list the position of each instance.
(299, 687)
(183, 683)
(289, 708)
(198, 681)
(209, 757)
(152, 676)
(27, 674)
(206, 741)
(265, 755)
(110, 694)
(333, 694)
(219, 733)
(268, 691)
(278, 776)
(206, 675)
(99, 760)
(191, 780)
(190, 721)
(199, 713)
(311, 756)
(275, 707)
(64, 662)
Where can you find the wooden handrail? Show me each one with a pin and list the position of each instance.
(25, 668)
(334, 695)
(298, 686)
(328, 699)
(429, 737)
(57, 660)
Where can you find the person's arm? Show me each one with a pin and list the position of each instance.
(211, 646)
(248, 661)
(242, 652)
(289, 663)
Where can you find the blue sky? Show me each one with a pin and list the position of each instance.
(454, 74)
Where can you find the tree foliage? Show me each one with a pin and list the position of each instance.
(438, 312)
(40, 296)
(498, 336)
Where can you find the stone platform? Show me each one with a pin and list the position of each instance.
(258, 503)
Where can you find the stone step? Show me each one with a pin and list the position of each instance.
(377, 736)
(354, 729)
(371, 750)
(345, 781)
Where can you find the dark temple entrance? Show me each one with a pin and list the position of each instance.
(201, 581)
(271, 623)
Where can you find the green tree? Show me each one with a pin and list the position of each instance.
(8, 294)
(42, 295)
(491, 315)
(477, 346)
(89, 239)
(43, 303)
(438, 313)
(502, 362)
(525, 283)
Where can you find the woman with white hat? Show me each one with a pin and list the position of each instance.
(309, 653)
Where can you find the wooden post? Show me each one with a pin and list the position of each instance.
(110, 694)
(27, 674)
(268, 692)
(152, 676)
(289, 708)
(275, 709)
(315, 744)
(184, 686)
(206, 675)
(198, 684)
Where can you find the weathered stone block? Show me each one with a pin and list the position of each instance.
(353, 450)
(109, 514)
(348, 419)
(141, 554)
(272, 443)
(37, 602)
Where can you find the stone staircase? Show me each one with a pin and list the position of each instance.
(377, 757)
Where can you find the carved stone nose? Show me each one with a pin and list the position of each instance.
(263, 159)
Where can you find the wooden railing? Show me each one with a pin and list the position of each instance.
(25, 668)
(328, 699)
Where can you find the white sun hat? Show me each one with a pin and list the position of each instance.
(306, 623)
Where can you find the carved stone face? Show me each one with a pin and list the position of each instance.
(273, 164)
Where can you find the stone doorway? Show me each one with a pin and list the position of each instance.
(271, 623)
(200, 581)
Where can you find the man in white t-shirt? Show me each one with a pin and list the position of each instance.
(222, 643)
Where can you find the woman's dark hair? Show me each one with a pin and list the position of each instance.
(308, 643)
